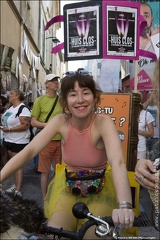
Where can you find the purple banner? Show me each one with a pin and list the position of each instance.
(56, 19)
(58, 48)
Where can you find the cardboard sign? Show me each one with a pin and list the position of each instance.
(118, 106)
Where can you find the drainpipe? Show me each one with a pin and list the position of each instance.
(40, 26)
(21, 44)
(22, 22)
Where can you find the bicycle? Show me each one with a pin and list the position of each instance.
(29, 216)
(104, 226)
(13, 211)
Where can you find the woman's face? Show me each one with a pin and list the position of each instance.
(80, 101)
(13, 96)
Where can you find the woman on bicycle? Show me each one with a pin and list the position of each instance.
(90, 143)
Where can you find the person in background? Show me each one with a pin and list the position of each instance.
(149, 42)
(33, 129)
(4, 104)
(16, 133)
(156, 76)
(51, 154)
(151, 105)
(30, 105)
(89, 141)
(145, 130)
(149, 31)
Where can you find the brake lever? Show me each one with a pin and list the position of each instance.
(103, 229)
(117, 231)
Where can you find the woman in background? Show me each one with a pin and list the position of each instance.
(145, 130)
(16, 133)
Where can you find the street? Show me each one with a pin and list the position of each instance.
(31, 190)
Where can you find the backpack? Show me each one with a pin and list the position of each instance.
(30, 128)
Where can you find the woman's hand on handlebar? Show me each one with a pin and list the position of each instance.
(124, 217)
(144, 176)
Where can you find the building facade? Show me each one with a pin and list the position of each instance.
(25, 46)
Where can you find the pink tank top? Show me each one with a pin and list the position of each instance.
(79, 153)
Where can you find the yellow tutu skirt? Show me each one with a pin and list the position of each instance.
(59, 198)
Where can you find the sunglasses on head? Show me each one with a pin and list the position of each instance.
(72, 73)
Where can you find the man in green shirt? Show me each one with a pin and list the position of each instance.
(51, 154)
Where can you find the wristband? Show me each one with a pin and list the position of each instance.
(124, 204)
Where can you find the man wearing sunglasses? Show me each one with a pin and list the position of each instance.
(44, 109)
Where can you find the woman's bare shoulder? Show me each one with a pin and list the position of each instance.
(100, 118)
(60, 117)
(104, 123)
(62, 120)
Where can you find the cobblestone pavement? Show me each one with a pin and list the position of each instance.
(31, 183)
(31, 190)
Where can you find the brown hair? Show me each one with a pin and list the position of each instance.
(68, 82)
(156, 74)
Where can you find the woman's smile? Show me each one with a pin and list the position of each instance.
(81, 108)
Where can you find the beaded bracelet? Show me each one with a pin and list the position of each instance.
(124, 204)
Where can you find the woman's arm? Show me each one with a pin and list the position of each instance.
(149, 132)
(24, 125)
(119, 172)
(32, 149)
(116, 159)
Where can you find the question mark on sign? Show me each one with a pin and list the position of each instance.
(122, 120)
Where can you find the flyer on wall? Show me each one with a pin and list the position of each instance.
(121, 31)
(82, 32)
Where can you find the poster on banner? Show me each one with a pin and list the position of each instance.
(120, 30)
(82, 30)
(117, 106)
(150, 44)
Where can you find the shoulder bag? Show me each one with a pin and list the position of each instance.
(49, 114)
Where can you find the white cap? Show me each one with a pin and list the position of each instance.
(50, 77)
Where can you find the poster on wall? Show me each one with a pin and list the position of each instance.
(120, 30)
(117, 106)
(82, 30)
(149, 45)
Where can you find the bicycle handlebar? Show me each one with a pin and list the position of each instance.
(103, 225)
(81, 232)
